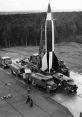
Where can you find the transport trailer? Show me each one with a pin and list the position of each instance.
(35, 62)
(43, 81)
(35, 65)
(20, 71)
(21, 61)
(5, 61)
(65, 83)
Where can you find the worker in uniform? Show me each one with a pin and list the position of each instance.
(28, 95)
(29, 100)
(80, 114)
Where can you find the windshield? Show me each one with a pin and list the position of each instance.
(8, 60)
(70, 80)
(50, 82)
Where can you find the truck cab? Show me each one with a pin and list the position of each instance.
(43, 81)
(70, 86)
(5, 61)
(65, 82)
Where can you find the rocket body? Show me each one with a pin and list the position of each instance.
(49, 32)
(49, 60)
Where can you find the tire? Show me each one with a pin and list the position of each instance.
(68, 91)
(12, 72)
(31, 103)
(48, 90)
(33, 83)
(3, 67)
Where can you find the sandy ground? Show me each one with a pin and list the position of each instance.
(16, 105)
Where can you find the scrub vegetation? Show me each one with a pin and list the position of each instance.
(22, 29)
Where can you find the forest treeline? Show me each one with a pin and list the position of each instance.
(25, 29)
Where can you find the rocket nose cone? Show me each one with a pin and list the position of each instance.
(49, 8)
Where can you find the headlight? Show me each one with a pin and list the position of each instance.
(49, 87)
(59, 84)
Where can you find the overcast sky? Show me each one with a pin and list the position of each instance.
(40, 5)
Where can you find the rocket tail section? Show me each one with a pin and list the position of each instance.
(55, 64)
(49, 61)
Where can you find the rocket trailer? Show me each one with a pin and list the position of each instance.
(35, 65)
(21, 61)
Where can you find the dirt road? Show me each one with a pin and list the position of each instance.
(16, 105)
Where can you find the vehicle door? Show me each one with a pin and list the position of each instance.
(3, 62)
(43, 83)
(0, 60)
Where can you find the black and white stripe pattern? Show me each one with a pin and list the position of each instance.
(49, 61)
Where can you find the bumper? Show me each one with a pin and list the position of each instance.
(69, 90)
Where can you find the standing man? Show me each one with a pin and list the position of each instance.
(29, 98)
(28, 95)
(80, 114)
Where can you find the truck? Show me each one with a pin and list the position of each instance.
(20, 71)
(65, 82)
(5, 61)
(43, 81)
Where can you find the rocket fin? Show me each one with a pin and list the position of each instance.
(50, 61)
(55, 63)
(44, 62)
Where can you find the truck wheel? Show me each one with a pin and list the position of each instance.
(48, 90)
(33, 83)
(75, 91)
(3, 67)
(11, 71)
(68, 91)
(16, 74)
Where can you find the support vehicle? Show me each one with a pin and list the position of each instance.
(43, 81)
(65, 82)
(5, 61)
(20, 71)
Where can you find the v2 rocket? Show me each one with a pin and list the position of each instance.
(49, 60)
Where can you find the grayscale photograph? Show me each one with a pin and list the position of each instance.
(40, 58)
